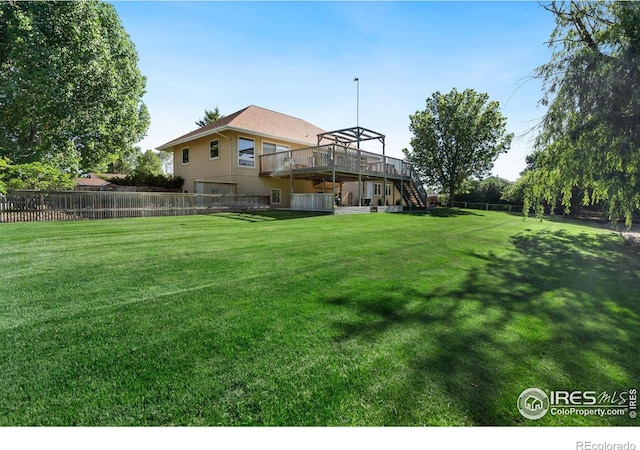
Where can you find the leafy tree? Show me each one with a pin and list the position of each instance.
(70, 88)
(517, 192)
(149, 163)
(4, 165)
(458, 136)
(590, 136)
(209, 116)
(489, 190)
(125, 162)
(35, 175)
(167, 161)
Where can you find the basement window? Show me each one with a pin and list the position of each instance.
(275, 196)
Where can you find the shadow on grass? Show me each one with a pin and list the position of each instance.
(559, 311)
(270, 215)
(442, 212)
(595, 223)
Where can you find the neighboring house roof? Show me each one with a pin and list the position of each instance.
(259, 121)
(108, 176)
(93, 180)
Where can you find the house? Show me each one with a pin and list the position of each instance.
(533, 403)
(94, 182)
(257, 151)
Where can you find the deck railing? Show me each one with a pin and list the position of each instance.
(326, 158)
(27, 206)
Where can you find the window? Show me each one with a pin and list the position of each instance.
(246, 152)
(275, 196)
(377, 189)
(268, 148)
(387, 191)
(185, 156)
(213, 150)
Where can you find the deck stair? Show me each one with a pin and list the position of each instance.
(413, 192)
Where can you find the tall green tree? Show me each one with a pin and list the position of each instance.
(149, 163)
(489, 190)
(125, 162)
(590, 136)
(210, 116)
(70, 88)
(458, 136)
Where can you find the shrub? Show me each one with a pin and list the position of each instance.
(147, 179)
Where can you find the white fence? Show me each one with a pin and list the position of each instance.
(312, 202)
(29, 206)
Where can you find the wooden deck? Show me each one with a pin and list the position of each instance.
(320, 162)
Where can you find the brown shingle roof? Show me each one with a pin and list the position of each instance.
(259, 121)
(92, 179)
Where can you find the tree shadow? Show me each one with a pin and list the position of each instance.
(558, 311)
(441, 212)
(617, 226)
(269, 215)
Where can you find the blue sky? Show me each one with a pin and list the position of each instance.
(300, 58)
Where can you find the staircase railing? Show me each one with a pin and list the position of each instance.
(416, 194)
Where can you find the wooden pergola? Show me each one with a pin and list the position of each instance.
(348, 137)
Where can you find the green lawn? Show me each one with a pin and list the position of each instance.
(274, 319)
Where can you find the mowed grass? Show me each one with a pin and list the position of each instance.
(281, 319)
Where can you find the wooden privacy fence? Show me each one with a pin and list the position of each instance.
(28, 206)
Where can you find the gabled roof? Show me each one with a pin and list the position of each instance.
(92, 179)
(260, 121)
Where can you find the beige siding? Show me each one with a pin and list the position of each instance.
(352, 188)
(226, 169)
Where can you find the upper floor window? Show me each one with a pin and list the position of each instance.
(213, 150)
(268, 148)
(246, 152)
(185, 156)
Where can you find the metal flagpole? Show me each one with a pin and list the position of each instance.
(357, 80)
